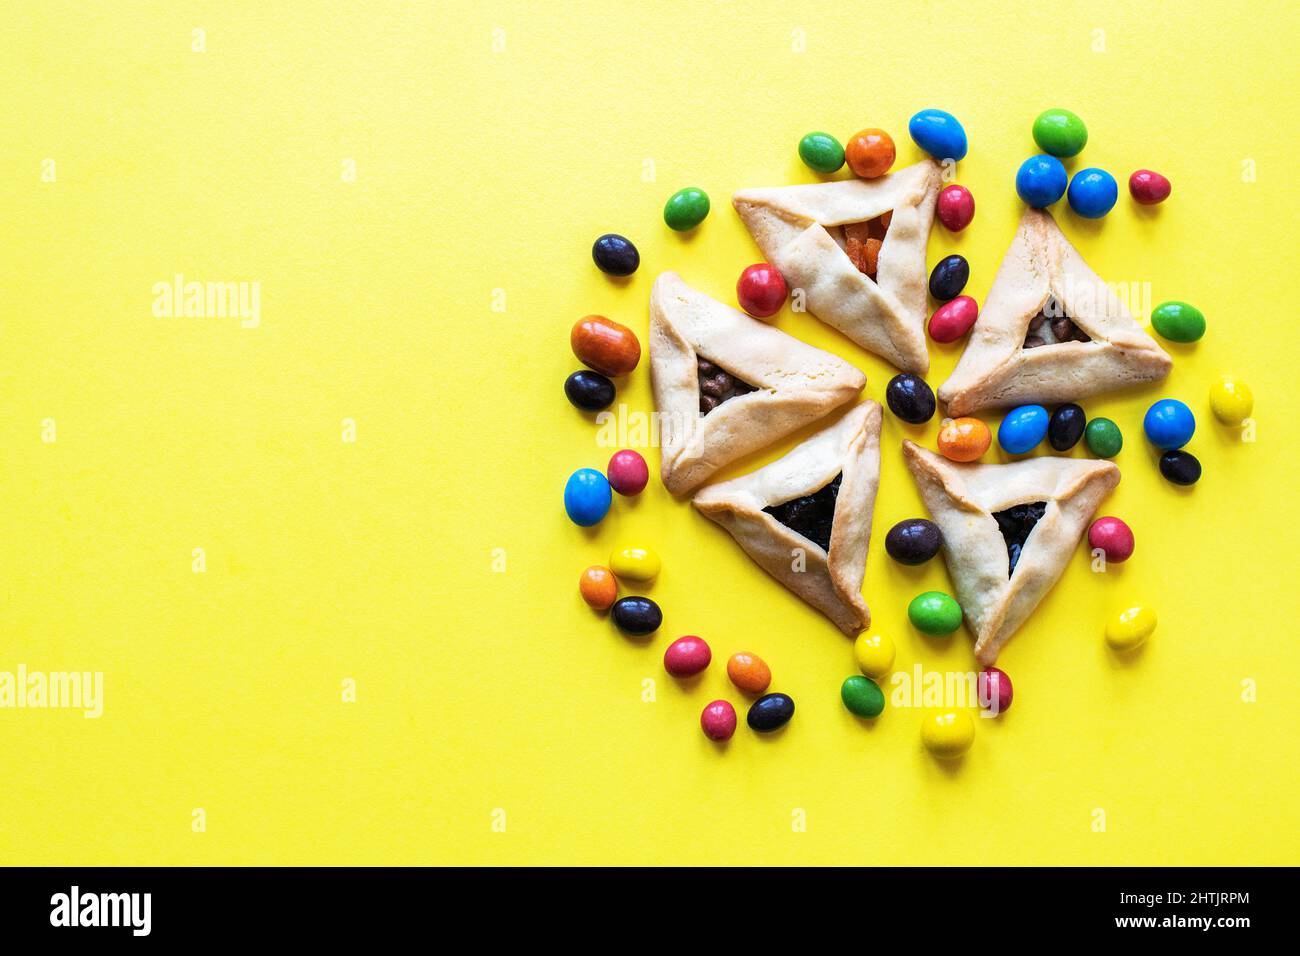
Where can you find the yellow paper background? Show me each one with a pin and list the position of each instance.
(492, 143)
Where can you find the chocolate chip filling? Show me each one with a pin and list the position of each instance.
(717, 385)
(812, 515)
(1015, 524)
(862, 242)
(1051, 326)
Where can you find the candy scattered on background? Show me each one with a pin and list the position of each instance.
(874, 654)
(1022, 429)
(1065, 427)
(589, 391)
(1130, 628)
(686, 209)
(862, 696)
(995, 686)
(637, 615)
(770, 712)
(749, 672)
(821, 152)
(956, 207)
(587, 497)
(1148, 187)
(1041, 181)
(1169, 424)
(718, 721)
(938, 133)
(954, 319)
(934, 613)
(1059, 132)
(598, 587)
(870, 153)
(949, 277)
(1178, 321)
(913, 541)
(1092, 193)
(615, 255)
(964, 439)
(910, 398)
(607, 346)
(627, 472)
(948, 735)
(1103, 437)
(761, 290)
(1113, 537)
(1231, 401)
(687, 656)
(1180, 467)
(635, 564)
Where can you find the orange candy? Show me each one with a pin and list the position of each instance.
(749, 672)
(964, 439)
(870, 153)
(598, 587)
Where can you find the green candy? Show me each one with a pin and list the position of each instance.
(862, 696)
(686, 208)
(1060, 133)
(1178, 321)
(1103, 437)
(934, 613)
(821, 152)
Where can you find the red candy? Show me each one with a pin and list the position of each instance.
(995, 687)
(761, 290)
(953, 319)
(956, 207)
(627, 472)
(718, 720)
(687, 656)
(1149, 188)
(1113, 537)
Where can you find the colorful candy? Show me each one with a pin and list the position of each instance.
(934, 613)
(1041, 181)
(761, 290)
(587, 497)
(749, 672)
(1178, 321)
(605, 345)
(964, 439)
(914, 541)
(770, 712)
(1060, 133)
(627, 472)
(821, 152)
(718, 721)
(637, 615)
(1113, 537)
(956, 207)
(615, 255)
(598, 587)
(686, 209)
(995, 691)
(862, 696)
(1231, 400)
(948, 735)
(949, 277)
(1022, 429)
(687, 656)
(910, 398)
(1092, 193)
(874, 654)
(635, 564)
(1066, 427)
(1148, 187)
(1169, 424)
(954, 319)
(589, 391)
(1103, 438)
(1130, 628)
(870, 153)
(1180, 467)
(938, 133)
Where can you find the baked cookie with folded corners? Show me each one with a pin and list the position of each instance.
(856, 249)
(1050, 331)
(1008, 531)
(726, 384)
(806, 517)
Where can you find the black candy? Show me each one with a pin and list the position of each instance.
(770, 712)
(637, 615)
(1065, 427)
(949, 278)
(1180, 467)
(615, 255)
(914, 541)
(910, 398)
(589, 391)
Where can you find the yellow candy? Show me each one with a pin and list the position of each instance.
(1232, 401)
(1130, 628)
(635, 564)
(875, 654)
(948, 734)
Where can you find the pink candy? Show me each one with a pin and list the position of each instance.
(687, 656)
(1113, 537)
(718, 720)
(1148, 187)
(995, 687)
(627, 473)
(954, 319)
(956, 207)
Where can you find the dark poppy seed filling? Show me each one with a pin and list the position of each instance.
(717, 385)
(1051, 326)
(812, 515)
(1015, 524)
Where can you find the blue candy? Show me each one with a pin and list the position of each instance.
(1041, 181)
(587, 496)
(1169, 424)
(1092, 193)
(1023, 429)
(938, 133)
